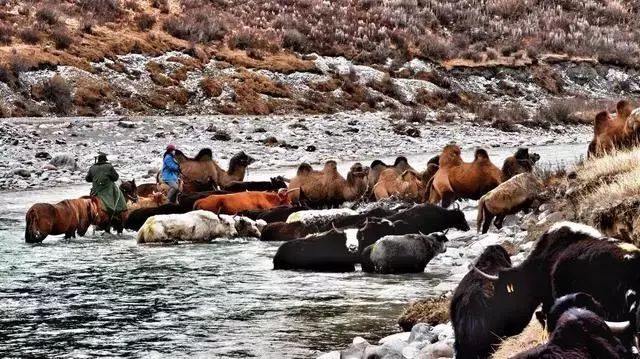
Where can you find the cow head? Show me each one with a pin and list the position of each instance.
(437, 239)
(283, 195)
(351, 242)
(376, 228)
(457, 220)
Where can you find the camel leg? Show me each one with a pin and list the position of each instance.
(498, 221)
(70, 234)
(486, 224)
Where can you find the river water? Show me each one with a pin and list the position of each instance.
(104, 295)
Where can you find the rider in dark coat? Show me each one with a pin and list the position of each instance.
(103, 177)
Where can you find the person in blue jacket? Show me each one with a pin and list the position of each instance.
(171, 172)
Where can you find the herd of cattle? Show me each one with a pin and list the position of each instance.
(397, 223)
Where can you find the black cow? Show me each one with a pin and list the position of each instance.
(409, 253)
(189, 199)
(281, 231)
(273, 185)
(280, 214)
(568, 258)
(476, 333)
(425, 218)
(578, 331)
(332, 251)
(136, 219)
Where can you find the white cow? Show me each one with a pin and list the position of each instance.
(196, 226)
(320, 217)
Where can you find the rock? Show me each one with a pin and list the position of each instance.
(381, 352)
(64, 161)
(15, 142)
(43, 155)
(443, 331)
(143, 139)
(437, 350)
(159, 135)
(270, 141)
(406, 130)
(410, 352)
(355, 350)
(221, 135)
(352, 130)
(398, 336)
(311, 148)
(260, 130)
(422, 332)
(49, 167)
(61, 141)
(21, 172)
(299, 126)
(126, 124)
(330, 355)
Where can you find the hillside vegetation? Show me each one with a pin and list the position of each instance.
(252, 57)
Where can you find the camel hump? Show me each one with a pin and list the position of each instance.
(601, 122)
(205, 154)
(304, 169)
(481, 154)
(377, 163)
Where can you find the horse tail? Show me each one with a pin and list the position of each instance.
(481, 210)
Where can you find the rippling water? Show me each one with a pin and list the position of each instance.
(107, 296)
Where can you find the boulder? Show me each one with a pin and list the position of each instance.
(64, 161)
(43, 155)
(437, 350)
(381, 352)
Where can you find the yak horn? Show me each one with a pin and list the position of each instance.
(446, 231)
(422, 234)
(336, 229)
(618, 327)
(456, 205)
(487, 276)
(293, 189)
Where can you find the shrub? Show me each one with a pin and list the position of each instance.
(6, 33)
(196, 27)
(58, 91)
(47, 15)
(29, 36)
(211, 87)
(434, 48)
(103, 10)
(163, 5)
(87, 25)
(242, 41)
(132, 5)
(61, 38)
(145, 21)
(294, 40)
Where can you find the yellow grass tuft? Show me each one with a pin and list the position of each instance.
(529, 338)
(432, 311)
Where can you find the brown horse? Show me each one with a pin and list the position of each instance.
(68, 217)
(457, 179)
(204, 170)
(103, 220)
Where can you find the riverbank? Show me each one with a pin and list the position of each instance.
(279, 143)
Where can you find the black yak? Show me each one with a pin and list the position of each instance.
(273, 185)
(578, 331)
(477, 312)
(425, 218)
(409, 253)
(332, 251)
(568, 258)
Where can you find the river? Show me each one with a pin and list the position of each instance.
(104, 295)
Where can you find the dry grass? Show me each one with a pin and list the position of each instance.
(280, 62)
(432, 311)
(529, 338)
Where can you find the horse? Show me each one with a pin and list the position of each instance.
(68, 217)
(103, 220)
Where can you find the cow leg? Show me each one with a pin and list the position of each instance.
(447, 199)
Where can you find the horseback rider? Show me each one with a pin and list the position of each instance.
(171, 172)
(103, 176)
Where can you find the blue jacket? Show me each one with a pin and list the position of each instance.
(170, 169)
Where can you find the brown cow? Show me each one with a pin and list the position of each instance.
(234, 203)
(328, 187)
(457, 179)
(156, 199)
(68, 217)
(203, 169)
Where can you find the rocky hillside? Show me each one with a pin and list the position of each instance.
(423, 59)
